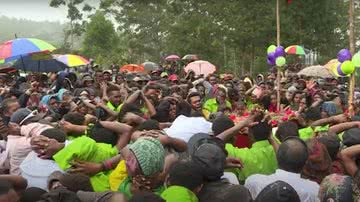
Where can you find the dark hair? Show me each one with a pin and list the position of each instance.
(183, 108)
(287, 129)
(151, 86)
(192, 94)
(296, 93)
(111, 89)
(74, 118)
(32, 194)
(260, 131)
(5, 187)
(332, 143)
(150, 124)
(103, 135)
(128, 108)
(54, 133)
(186, 174)
(146, 197)
(292, 155)
(312, 114)
(221, 124)
(4, 106)
(76, 182)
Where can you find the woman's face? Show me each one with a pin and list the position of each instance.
(297, 99)
(132, 165)
(273, 99)
(53, 103)
(302, 103)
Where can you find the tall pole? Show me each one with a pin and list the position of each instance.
(352, 50)
(278, 44)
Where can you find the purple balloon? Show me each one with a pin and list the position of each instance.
(271, 63)
(340, 71)
(343, 55)
(271, 56)
(279, 51)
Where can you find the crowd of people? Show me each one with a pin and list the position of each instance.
(105, 135)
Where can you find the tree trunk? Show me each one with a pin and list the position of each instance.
(352, 50)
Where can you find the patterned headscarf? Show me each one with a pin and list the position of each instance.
(150, 154)
(336, 187)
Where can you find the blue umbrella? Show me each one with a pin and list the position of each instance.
(39, 63)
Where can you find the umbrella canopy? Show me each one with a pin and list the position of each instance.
(332, 66)
(201, 67)
(172, 58)
(150, 66)
(72, 60)
(132, 68)
(15, 49)
(191, 57)
(295, 50)
(39, 63)
(316, 71)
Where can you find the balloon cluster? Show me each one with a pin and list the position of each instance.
(276, 56)
(347, 62)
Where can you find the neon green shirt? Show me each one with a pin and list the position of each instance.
(309, 132)
(211, 106)
(259, 159)
(112, 107)
(178, 193)
(86, 149)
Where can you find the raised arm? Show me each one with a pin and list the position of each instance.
(344, 126)
(227, 134)
(123, 131)
(148, 104)
(133, 97)
(348, 155)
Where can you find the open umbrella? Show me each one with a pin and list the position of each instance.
(39, 62)
(316, 71)
(172, 58)
(201, 67)
(150, 66)
(72, 60)
(15, 49)
(132, 68)
(191, 57)
(295, 50)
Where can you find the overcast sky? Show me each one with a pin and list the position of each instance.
(38, 10)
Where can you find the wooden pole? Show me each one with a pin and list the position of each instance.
(352, 50)
(278, 44)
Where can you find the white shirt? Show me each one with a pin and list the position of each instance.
(185, 127)
(37, 171)
(306, 189)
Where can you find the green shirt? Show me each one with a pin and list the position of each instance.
(125, 188)
(259, 159)
(178, 193)
(309, 132)
(211, 106)
(112, 107)
(86, 149)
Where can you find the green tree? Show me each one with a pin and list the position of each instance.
(101, 40)
(75, 16)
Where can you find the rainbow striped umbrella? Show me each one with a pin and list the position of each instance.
(72, 60)
(295, 50)
(15, 49)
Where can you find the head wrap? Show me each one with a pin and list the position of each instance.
(150, 154)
